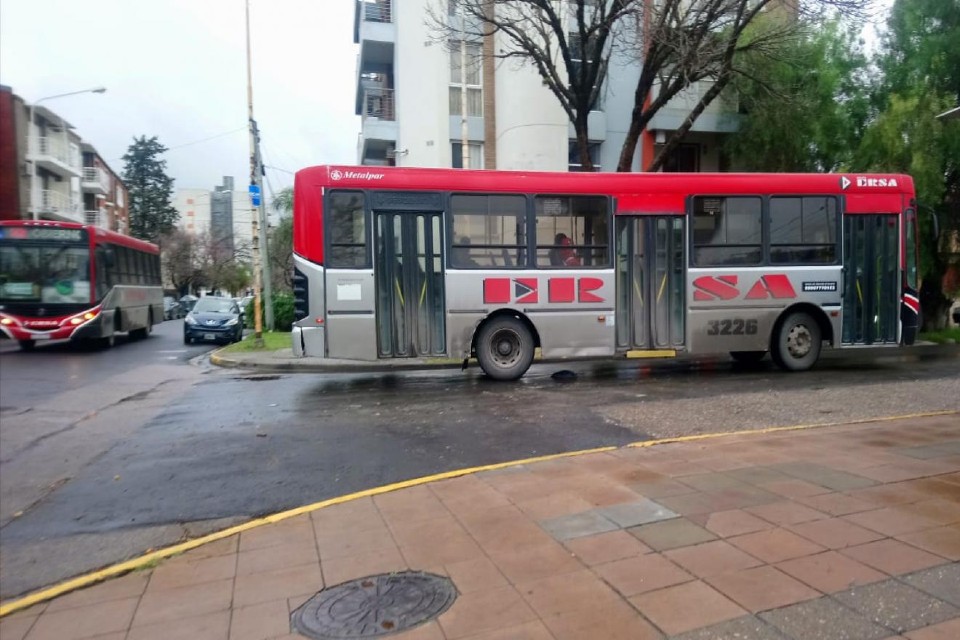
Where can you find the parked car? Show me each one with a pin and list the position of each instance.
(213, 319)
(171, 308)
(244, 302)
(187, 302)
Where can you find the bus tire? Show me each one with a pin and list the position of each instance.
(143, 332)
(107, 342)
(796, 345)
(505, 348)
(748, 357)
(27, 345)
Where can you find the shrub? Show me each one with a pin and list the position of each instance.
(282, 312)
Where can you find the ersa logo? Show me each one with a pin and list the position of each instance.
(713, 288)
(527, 290)
(865, 182)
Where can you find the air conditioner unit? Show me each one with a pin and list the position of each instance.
(660, 137)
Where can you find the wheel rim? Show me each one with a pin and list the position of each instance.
(799, 341)
(505, 347)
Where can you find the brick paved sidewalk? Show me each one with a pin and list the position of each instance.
(846, 532)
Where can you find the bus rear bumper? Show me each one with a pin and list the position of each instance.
(308, 341)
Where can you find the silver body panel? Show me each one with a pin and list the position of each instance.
(750, 295)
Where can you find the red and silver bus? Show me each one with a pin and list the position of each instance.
(67, 281)
(412, 263)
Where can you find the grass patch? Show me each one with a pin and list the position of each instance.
(941, 336)
(272, 340)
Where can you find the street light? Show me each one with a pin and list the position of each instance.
(35, 148)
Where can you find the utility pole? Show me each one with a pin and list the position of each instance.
(264, 237)
(259, 240)
(464, 135)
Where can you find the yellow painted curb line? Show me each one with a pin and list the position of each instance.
(797, 427)
(148, 558)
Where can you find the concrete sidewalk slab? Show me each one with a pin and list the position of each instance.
(821, 533)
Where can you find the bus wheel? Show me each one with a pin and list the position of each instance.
(797, 344)
(505, 348)
(107, 341)
(748, 357)
(27, 345)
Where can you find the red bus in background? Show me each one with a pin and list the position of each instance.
(410, 262)
(67, 281)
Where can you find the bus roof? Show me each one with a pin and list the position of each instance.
(616, 184)
(99, 234)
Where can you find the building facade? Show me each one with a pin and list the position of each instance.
(411, 91)
(51, 173)
(222, 214)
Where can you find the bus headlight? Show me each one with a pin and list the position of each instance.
(80, 319)
(6, 322)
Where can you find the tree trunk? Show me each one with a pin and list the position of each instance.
(684, 128)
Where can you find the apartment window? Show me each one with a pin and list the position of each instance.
(803, 230)
(578, 55)
(727, 231)
(475, 150)
(573, 159)
(472, 68)
(572, 231)
(488, 231)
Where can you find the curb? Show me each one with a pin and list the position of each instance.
(384, 366)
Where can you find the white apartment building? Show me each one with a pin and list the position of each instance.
(53, 173)
(223, 213)
(408, 96)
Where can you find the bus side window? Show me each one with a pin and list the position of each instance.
(103, 273)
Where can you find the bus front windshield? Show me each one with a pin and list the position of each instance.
(44, 273)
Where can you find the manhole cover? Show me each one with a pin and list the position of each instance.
(374, 606)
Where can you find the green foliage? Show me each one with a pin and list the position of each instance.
(150, 189)
(920, 78)
(283, 316)
(272, 341)
(804, 102)
(280, 251)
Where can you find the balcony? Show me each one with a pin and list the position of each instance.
(54, 155)
(97, 218)
(377, 10)
(379, 104)
(719, 117)
(95, 180)
(58, 206)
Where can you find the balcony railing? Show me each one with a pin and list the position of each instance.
(95, 176)
(378, 103)
(54, 202)
(55, 149)
(97, 218)
(377, 10)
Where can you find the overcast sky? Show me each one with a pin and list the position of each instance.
(177, 69)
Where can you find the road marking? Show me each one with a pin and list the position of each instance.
(161, 554)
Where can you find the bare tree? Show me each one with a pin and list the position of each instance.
(179, 260)
(676, 42)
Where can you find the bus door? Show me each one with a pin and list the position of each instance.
(871, 300)
(651, 311)
(409, 283)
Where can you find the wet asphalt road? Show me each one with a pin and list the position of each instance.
(211, 447)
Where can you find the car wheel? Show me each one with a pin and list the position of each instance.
(187, 339)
